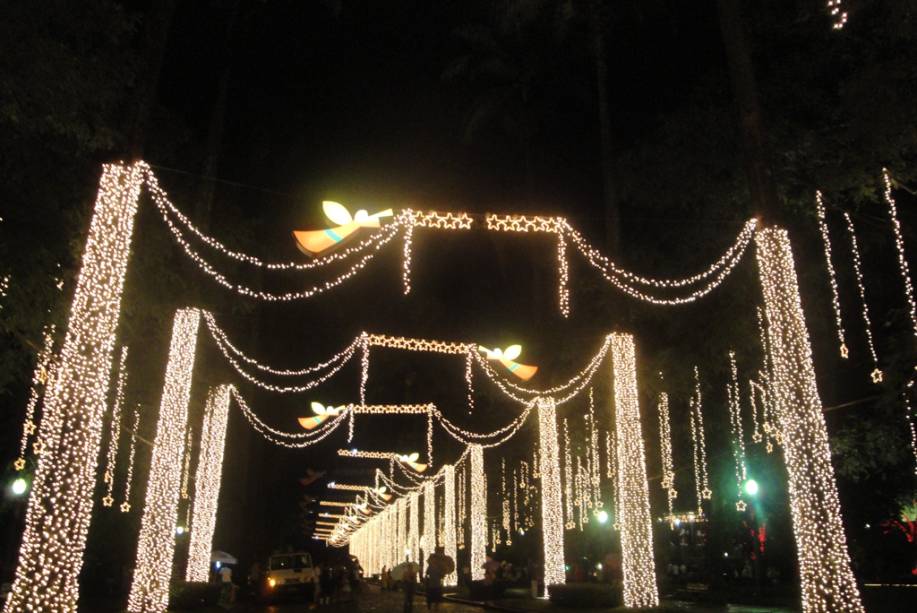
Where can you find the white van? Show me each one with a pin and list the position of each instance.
(288, 573)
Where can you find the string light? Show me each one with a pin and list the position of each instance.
(504, 502)
(832, 276)
(443, 221)
(207, 483)
(449, 541)
(699, 446)
(478, 513)
(876, 374)
(469, 381)
(568, 480)
(60, 505)
(735, 422)
(156, 546)
(407, 241)
(665, 451)
(594, 459)
(634, 506)
(827, 581)
(108, 477)
(4, 288)
(909, 416)
(899, 247)
(186, 470)
(838, 14)
(414, 527)
(131, 456)
(40, 378)
(552, 517)
(428, 540)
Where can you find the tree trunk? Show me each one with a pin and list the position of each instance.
(758, 170)
(156, 35)
(611, 208)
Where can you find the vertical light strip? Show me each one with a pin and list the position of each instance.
(665, 450)
(552, 514)
(634, 505)
(864, 305)
(734, 403)
(428, 541)
(478, 513)
(60, 506)
(403, 547)
(156, 547)
(207, 483)
(832, 276)
(449, 540)
(40, 378)
(899, 247)
(828, 583)
(114, 439)
(568, 480)
(414, 527)
(131, 456)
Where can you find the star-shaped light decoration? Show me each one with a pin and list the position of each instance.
(876, 376)
(322, 413)
(125, 507)
(314, 242)
(19, 464)
(741, 506)
(507, 357)
(706, 494)
(108, 500)
(30, 427)
(845, 353)
(36, 447)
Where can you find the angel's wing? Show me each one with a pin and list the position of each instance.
(336, 212)
(512, 352)
(318, 408)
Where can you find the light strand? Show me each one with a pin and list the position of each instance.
(665, 451)
(477, 515)
(552, 517)
(449, 541)
(735, 423)
(832, 276)
(108, 476)
(125, 506)
(838, 14)
(698, 445)
(876, 374)
(40, 379)
(903, 267)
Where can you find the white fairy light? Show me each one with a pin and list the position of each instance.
(40, 379)
(634, 505)
(428, 540)
(462, 505)
(207, 483)
(186, 469)
(469, 381)
(876, 374)
(60, 505)
(449, 540)
(838, 14)
(903, 267)
(735, 422)
(568, 479)
(594, 459)
(909, 417)
(665, 451)
(407, 241)
(827, 581)
(832, 276)
(699, 446)
(552, 516)
(131, 456)
(108, 476)
(504, 501)
(414, 528)
(477, 516)
(156, 546)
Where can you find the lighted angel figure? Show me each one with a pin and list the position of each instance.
(314, 242)
(410, 459)
(382, 492)
(507, 357)
(321, 414)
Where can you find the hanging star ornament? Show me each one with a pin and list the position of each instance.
(314, 242)
(125, 507)
(845, 353)
(707, 494)
(108, 501)
(741, 505)
(876, 376)
(322, 413)
(507, 357)
(19, 464)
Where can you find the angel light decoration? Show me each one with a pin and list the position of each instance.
(314, 242)
(410, 459)
(507, 357)
(321, 414)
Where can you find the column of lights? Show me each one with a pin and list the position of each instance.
(756, 435)
(735, 422)
(60, 505)
(156, 546)
(832, 276)
(469, 381)
(40, 378)
(428, 540)
(568, 479)
(552, 516)
(827, 581)
(207, 483)
(414, 527)
(505, 504)
(699, 445)
(403, 547)
(876, 374)
(634, 506)
(595, 459)
(665, 451)
(131, 456)
(186, 464)
(449, 535)
(581, 493)
(108, 476)
(462, 505)
(616, 524)
(899, 247)
(477, 515)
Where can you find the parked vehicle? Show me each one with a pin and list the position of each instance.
(289, 574)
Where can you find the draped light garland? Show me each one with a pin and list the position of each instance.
(832, 276)
(156, 548)
(828, 583)
(40, 379)
(114, 438)
(60, 505)
(568, 479)
(186, 468)
(876, 374)
(207, 483)
(634, 505)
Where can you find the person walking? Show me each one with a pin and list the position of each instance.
(409, 581)
(438, 566)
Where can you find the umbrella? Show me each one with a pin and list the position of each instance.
(222, 557)
(399, 570)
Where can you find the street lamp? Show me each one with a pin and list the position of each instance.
(751, 487)
(602, 517)
(19, 486)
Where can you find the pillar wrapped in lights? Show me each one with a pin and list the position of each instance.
(552, 512)
(428, 540)
(414, 527)
(477, 517)
(156, 547)
(828, 583)
(632, 492)
(449, 540)
(60, 506)
(207, 483)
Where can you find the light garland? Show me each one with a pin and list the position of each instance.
(40, 378)
(449, 540)
(665, 451)
(552, 516)
(735, 423)
(903, 267)
(876, 374)
(832, 276)
(443, 221)
(156, 548)
(827, 581)
(131, 456)
(108, 476)
(634, 506)
(838, 14)
(477, 516)
(699, 446)
(207, 483)
(4, 288)
(60, 505)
